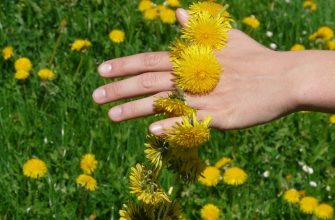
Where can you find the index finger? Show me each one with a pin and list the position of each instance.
(136, 64)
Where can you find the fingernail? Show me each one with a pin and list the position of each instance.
(156, 129)
(183, 13)
(99, 94)
(115, 112)
(105, 68)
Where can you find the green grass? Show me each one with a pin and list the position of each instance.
(58, 122)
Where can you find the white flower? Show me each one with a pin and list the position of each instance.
(273, 46)
(328, 188)
(266, 174)
(269, 34)
(313, 184)
(307, 169)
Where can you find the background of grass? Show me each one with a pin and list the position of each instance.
(58, 122)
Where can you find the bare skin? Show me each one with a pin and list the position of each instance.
(257, 85)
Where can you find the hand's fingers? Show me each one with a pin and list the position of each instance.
(134, 109)
(146, 83)
(135, 64)
(182, 16)
(159, 127)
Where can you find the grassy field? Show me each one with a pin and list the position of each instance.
(58, 122)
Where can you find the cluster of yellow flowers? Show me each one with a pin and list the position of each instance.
(23, 66)
(193, 61)
(309, 205)
(88, 164)
(310, 4)
(324, 36)
(211, 175)
(166, 11)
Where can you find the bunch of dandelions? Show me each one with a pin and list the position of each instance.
(197, 71)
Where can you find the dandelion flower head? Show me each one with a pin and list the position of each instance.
(176, 48)
(144, 184)
(46, 74)
(210, 212)
(222, 162)
(324, 33)
(292, 196)
(155, 150)
(172, 107)
(117, 36)
(145, 5)
(310, 4)
(211, 7)
(173, 3)
(234, 176)
(210, 176)
(206, 30)
(168, 16)
(332, 119)
(87, 181)
(251, 21)
(88, 163)
(190, 133)
(34, 168)
(21, 74)
(331, 45)
(7, 52)
(297, 47)
(80, 44)
(197, 64)
(23, 63)
(308, 204)
(151, 14)
(324, 211)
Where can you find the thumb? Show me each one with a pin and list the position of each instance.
(182, 16)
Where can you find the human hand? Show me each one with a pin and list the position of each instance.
(255, 86)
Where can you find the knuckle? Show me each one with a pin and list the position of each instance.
(114, 90)
(130, 110)
(148, 80)
(151, 60)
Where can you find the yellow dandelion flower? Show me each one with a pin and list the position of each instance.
(251, 21)
(211, 7)
(310, 5)
(206, 30)
(46, 74)
(168, 16)
(80, 44)
(87, 181)
(292, 196)
(7, 52)
(331, 45)
(155, 149)
(144, 184)
(332, 119)
(21, 75)
(117, 36)
(150, 14)
(222, 162)
(161, 8)
(190, 133)
(172, 107)
(197, 64)
(145, 5)
(34, 168)
(324, 211)
(210, 176)
(173, 3)
(23, 63)
(324, 33)
(308, 204)
(88, 163)
(176, 48)
(210, 212)
(234, 176)
(297, 47)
